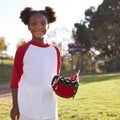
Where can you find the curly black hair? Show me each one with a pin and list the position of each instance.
(28, 12)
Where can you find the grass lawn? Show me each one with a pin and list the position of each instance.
(5, 70)
(98, 98)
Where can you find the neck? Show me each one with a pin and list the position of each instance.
(41, 40)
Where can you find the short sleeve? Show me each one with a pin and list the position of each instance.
(58, 60)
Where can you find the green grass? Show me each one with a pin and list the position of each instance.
(5, 107)
(98, 98)
(5, 70)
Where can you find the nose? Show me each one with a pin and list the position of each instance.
(40, 26)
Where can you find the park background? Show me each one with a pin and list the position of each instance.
(91, 45)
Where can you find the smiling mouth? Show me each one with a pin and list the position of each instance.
(39, 32)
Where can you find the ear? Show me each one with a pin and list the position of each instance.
(48, 26)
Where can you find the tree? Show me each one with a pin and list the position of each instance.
(105, 26)
(21, 42)
(102, 27)
(3, 45)
(81, 35)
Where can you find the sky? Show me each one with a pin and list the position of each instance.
(68, 13)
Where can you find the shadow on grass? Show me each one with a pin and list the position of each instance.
(99, 78)
(5, 72)
(5, 77)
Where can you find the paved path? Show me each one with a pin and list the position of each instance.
(4, 90)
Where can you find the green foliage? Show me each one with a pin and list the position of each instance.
(106, 28)
(21, 42)
(81, 35)
(66, 64)
(3, 45)
(101, 29)
(5, 69)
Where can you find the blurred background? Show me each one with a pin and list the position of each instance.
(88, 37)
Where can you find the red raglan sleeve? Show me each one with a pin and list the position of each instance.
(17, 69)
(58, 60)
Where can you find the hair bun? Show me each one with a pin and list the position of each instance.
(28, 9)
(25, 15)
(51, 14)
(28, 12)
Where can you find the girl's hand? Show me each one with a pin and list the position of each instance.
(14, 113)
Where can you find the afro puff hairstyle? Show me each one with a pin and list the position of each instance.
(26, 14)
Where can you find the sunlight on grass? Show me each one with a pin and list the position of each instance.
(98, 98)
(93, 101)
(5, 106)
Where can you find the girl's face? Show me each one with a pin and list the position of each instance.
(38, 26)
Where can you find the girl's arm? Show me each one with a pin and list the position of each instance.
(14, 113)
(14, 97)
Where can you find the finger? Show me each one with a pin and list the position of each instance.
(18, 116)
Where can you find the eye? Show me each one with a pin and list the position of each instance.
(33, 23)
(43, 24)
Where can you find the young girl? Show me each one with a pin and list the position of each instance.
(35, 64)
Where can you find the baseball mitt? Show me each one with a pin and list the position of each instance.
(64, 87)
